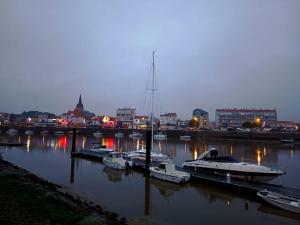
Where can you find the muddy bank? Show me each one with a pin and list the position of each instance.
(28, 199)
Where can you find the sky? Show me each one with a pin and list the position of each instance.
(208, 54)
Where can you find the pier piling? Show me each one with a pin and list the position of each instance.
(148, 149)
(73, 141)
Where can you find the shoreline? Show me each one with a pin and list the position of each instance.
(26, 198)
(171, 133)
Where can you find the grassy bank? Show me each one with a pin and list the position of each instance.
(28, 199)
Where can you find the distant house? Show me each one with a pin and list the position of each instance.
(203, 118)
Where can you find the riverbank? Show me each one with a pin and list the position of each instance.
(28, 199)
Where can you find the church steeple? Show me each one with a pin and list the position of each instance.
(79, 107)
(80, 102)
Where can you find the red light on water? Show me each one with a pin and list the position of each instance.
(62, 142)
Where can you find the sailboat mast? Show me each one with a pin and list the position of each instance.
(152, 114)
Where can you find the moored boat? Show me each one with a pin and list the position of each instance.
(44, 132)
(283, 201)
(59, 133)
(119, 135)
(116, 160)
(185, 138)
(210, 162)
(28, 132)
(100, 149)
(135, 135)
(160, 136)
(97, 134)
(167, 172)
(11, 131)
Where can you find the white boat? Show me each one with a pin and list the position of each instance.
(141, 155)
(289, 141)
(97, 134)
(210, 162)
(160, 136)
(135, 135)
(11, 132)
(119, 135)
(44, 132)
(28, 132)
(167, 172)
(115, 160)
(100, 149)
(59, 133)
(282, 201)
(185, 138)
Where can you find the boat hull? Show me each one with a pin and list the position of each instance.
(168, 177)
(286, 203)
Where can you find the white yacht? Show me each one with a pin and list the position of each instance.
(97, 134)
(135, 135)
(100, 149)
(59, 133)
(115, 160)
(154, 156)
(210, 162)
(28, 132)
(185, 137)
(160, 136)
(167, 172)
(282, 201)
(119, 135)
(44, 132)
(11, 132)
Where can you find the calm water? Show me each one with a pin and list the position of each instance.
(132, 195)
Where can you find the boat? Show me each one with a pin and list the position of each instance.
(185, 138)
(289, 141)
(167, 172)
(116, 160)
(141, 155)
(59, 133)
(11, 132)
(210, 162)
(119, 135)
(160, 136)
(135, 135)
(44, 132)
(97, 134)
(100, 149)
(28, 132)
(282, 201)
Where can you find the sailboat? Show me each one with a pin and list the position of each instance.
(139, 156)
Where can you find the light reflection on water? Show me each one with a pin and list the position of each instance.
(133, 195)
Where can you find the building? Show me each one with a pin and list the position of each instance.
(237, 117)
(125, 117)
(168, 120)
(141, 121)
(202, 116)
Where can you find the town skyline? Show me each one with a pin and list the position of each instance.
(208, 55)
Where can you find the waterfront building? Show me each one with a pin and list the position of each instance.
(168, 120)
(202, 116)
(125, 117)
(182, 124)
(141, 122)
(237, 117)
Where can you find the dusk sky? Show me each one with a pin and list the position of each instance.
(209, 54)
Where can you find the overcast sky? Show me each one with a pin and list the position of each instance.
(209, 54)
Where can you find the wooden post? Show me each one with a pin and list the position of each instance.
(74, 141)
(148, 149)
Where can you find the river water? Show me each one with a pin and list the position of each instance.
(131, 194)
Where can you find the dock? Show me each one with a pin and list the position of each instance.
(235, 184)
